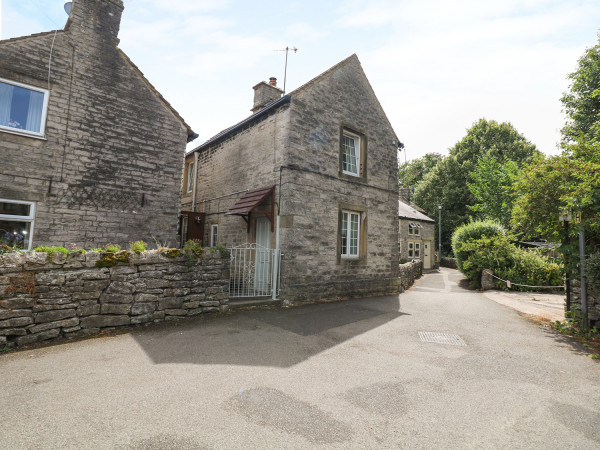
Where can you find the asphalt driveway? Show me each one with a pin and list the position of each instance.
(355, 374)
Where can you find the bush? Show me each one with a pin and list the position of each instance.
(471, 232)
(508, 262)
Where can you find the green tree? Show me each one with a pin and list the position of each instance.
(492, 188)
(412, 172)
(446, 183)
(582, 102)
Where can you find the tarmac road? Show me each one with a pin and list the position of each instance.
(353, 374)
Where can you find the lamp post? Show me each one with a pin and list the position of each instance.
(440, 233)
(566, 218)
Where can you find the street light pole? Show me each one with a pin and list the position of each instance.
(440, 233)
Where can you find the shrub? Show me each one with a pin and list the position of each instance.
(508, 262)
(470, 232)
(138, 246)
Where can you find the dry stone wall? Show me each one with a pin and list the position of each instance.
(44, 298)
(593, 302)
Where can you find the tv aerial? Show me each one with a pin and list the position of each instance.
(286, 50)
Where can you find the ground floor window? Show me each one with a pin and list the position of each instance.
(16, 224)
(350, 234)
(414, 249)
(214, 235)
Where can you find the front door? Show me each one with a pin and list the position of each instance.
(427, 255)
(262, 268)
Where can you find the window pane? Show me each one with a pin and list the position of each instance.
(15, 234)
(14, 209)
(190, 177)
(21, 108)
(353, 234)
(349, 163)
(344, 233)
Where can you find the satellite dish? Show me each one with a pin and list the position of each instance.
(68, 7)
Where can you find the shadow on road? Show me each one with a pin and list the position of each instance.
(267, 337)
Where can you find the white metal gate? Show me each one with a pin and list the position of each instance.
(251, 271)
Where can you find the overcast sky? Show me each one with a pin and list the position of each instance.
(437, 66)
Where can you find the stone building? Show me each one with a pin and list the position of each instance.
(313, 174)
(416, 233)
(90, 152)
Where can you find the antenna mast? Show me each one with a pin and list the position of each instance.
(286, 50)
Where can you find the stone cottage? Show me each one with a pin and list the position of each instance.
(90, 151)
(311, 176)
(416, 233)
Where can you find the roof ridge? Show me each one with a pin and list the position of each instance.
(156, 92)
(325, 73)
(19, 38)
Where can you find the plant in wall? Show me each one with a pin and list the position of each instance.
(138, 247)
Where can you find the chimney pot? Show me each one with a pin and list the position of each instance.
(273, 81)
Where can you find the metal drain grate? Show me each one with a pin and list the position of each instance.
(441, 338)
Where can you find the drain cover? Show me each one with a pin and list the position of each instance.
(441, 338)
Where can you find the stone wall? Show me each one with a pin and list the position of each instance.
(409, 272)
(593, 301)
(43, 298)
(314, 190)
(110, 166)
(448, 262)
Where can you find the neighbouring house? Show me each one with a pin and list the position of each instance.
(90, 151)
(416, 232)
(311, 175)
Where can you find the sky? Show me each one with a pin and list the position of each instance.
(437, 66)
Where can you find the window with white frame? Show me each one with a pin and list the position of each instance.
(16, 223)
(414, 249)
(350, 153)
(350, 234)
(190, 177)
(413, 229)
(214, 235)
(22, 108)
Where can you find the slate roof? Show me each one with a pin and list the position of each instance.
(408, 212)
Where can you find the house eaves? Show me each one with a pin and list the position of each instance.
(190, 132)
(228, 132)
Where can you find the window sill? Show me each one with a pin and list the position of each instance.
(24, 134)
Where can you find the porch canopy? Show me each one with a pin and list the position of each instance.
(259, 202)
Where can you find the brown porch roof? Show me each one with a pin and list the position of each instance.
(249, 201)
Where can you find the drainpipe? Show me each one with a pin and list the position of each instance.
(194, 186)
(276, 255)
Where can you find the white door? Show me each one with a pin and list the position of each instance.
(427, 255)
(262, 268)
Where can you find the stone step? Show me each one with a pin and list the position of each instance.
(252, 302)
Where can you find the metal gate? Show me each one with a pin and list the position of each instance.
(251, 271)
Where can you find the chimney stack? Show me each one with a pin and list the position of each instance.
(265, 94)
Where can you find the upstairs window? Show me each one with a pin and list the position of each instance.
(350, 154)
(414, 229)
(22, 108)
(190, 177)
(16, 223)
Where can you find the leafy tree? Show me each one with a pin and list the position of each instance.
(446, 183)
(492, 187)
(553, 186)
(582, 101)
(412, 172)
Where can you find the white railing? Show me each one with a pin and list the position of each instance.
(251, 271)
